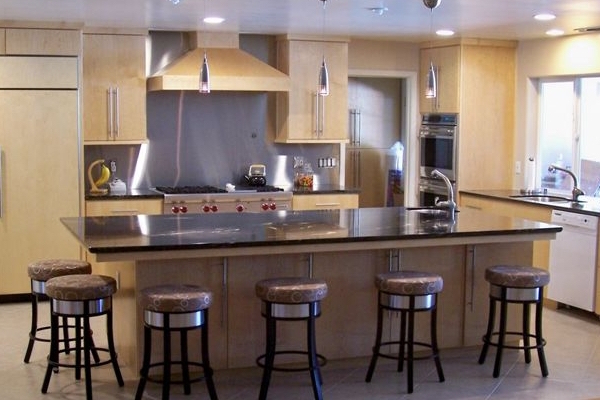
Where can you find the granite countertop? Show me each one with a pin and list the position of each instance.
(130, 194)
(588, 205)
(136, 194)
(141, 233)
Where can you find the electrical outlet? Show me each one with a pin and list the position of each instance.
(518, 167)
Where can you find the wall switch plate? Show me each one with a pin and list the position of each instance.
(518, 167)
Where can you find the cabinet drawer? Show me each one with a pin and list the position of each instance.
(324, 201)
(122, 207)
(55, 42)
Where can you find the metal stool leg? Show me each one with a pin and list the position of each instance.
(410, 344)
(269, 354)
(208, 372)
(402, 341)
(53, 356)
(377, 346)
(33, 330)
(525, 328)
(501, 334)
(111, 347)
(538, 335)
(434, 344)
(166, 359)
(87, 346)
(145, 363)
(488, 333)
(315, 371)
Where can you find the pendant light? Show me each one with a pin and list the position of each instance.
(204, 76)
(204, 84)
(323, 83)
(431, 88)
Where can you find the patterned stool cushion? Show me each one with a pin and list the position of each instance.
(409, 283)
(46, 269)
(175, 298)
(517, 276)
(291, 290)
(81, 287)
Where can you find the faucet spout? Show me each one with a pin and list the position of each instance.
(450, 204)
(576, 192)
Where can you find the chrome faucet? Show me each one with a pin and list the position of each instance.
(576, 191)
(448, 204)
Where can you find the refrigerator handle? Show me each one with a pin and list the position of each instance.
(355, 126)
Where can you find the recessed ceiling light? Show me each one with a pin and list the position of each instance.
(444, 32)
(544, 17)
(213, 20)
(555, 32)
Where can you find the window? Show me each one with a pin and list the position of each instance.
(569, 133)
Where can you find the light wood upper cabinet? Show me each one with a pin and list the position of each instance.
(446, 60)
(302, 116)
(59, 42)
(114, 88)
(2, 41)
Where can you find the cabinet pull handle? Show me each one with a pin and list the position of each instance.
(132, 212)
(109, 106)
(327, 204)
(117, 105)
(322, 116)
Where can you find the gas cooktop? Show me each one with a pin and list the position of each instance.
(213, 189)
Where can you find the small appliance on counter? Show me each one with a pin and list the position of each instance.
(116, 185)
(256, 175)
(96, 184)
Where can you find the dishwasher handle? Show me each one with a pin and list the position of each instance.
(582, 221)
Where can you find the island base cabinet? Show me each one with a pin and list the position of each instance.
(347, 325)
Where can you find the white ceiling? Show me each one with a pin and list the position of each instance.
(407, 20)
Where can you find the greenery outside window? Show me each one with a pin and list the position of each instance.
(569, 133)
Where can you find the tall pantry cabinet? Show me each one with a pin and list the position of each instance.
(39, 181)
(476, 79)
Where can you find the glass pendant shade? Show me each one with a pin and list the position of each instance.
(323, 79)
(431, 89)
(204, 76)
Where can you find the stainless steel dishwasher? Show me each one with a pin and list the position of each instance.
(573, 260)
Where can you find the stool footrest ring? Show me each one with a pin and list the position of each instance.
(397, 357)
(515, 347)
(259, 361)
(92, 365)
(178, 382)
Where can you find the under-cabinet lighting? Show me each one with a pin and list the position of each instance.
(544, 17)
(555, 32)
(213, 20)
(444, 32)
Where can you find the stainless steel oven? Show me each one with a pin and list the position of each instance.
(438, 145)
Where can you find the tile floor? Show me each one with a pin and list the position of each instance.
(573, 353)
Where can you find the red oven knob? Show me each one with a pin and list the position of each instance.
(273, 206)
(214, 208)
(183, 209)
(206, 208)
(175, 209)
(240, 208)
(264, 206)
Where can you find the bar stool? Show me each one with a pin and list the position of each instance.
(291, 299)
(39, 272)
(520, 285)
(175, 308)
(81, 297)
(407, 292)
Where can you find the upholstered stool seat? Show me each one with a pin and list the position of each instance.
(171, 308)
(81, 297)
(292, 299)
(520, 285)
(407, 292)
(39, 272)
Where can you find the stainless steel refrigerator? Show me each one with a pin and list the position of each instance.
(374, 156)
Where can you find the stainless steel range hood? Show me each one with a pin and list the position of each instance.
(231, 69)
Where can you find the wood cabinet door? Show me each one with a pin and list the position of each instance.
(299, 112)
(446, 60)
(39, 178)
(114, 62)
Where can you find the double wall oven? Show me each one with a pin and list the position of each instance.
(438, 149)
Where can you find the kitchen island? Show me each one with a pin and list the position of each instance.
(228, 253)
